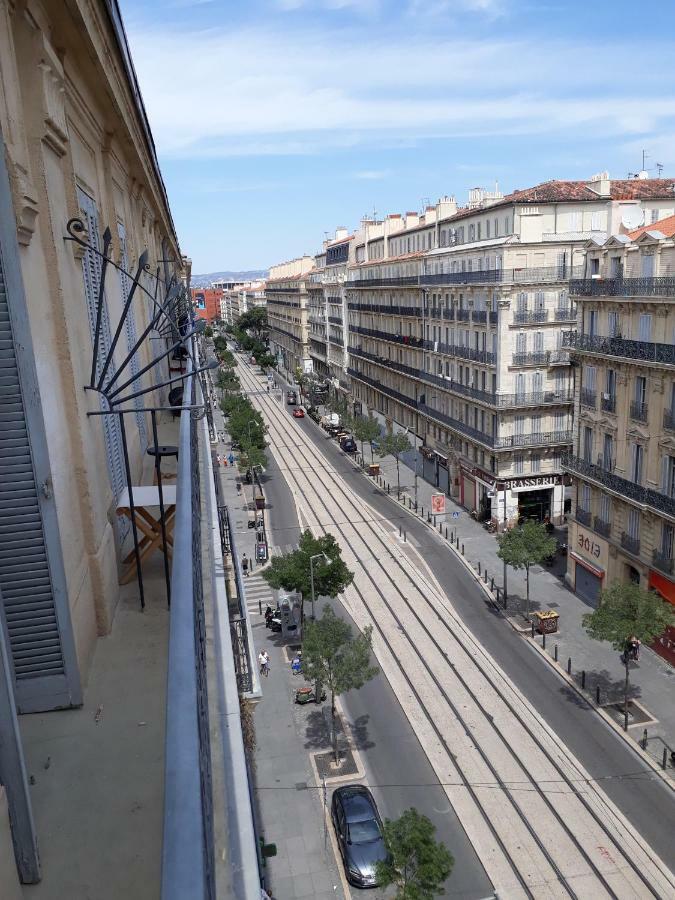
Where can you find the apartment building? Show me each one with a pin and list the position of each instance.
(316, 317)
(457, 319)
(79, 181)
(623, 459)
(207, 303)
(287, 299)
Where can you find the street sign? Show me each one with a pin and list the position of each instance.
(455, 515)
(438, 504)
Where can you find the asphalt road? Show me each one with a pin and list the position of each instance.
(396, 765)
(637, 791)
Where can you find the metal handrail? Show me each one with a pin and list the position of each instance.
(657, 286)
(645, 351)
(621, 486)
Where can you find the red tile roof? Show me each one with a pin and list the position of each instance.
(580, 191)
(665, 226)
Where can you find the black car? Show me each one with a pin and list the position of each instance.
(358, 828)
(348, 444)
(291, 398)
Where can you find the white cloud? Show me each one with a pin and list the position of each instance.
(245, 92)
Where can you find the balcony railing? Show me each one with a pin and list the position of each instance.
(463, 315)
(480, 436)
(479, 315)
(535, 439)
(622, 486)
(386, 309)
(568, 314)
(530, 316)
(588, 397)
(535, 275)
(407, 339)
(583, 516)
(335, 320)
(559, 358)
(608, 403)
(663, 562)
(639, 411)
(602, 527)
(531, 358)
(623, 287)
(615, 346)
(392, 281)
(669, 420)
(630, 543)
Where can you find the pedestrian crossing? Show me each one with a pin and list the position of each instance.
(258, 594)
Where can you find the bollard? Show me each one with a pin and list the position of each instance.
(446, 532)
(492, 585)
(462, 549)
(664, 761)
(458, 542)
(543, 640)
(260, 607)
(555, 653)
(485, 576)
(479, 567)
(644, 740)
(440, 528)
(497, 593)
(597, 694)
(532, 629)
(569, 665)
(405, 536)
(583, 679)
(400, 530)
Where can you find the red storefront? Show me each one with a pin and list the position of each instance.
(665, 645)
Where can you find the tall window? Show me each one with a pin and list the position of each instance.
(633, 524)
(588, 444)
(518, 464)
(589, 377)
(539, 342)
(668, 476)
(535, 463)
(585, 497)
(539, 301)
(521, 343)
(536, 424)
(522, 302)
(640, 395)
(667, 533)
(636, 463)
(519, 425)
(605, 508)
(592, 322)
(607, 452)
(610, 383)
(537, 383)
(612, 324)
(645, 328)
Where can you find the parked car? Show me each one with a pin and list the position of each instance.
(291, 398)
(358, 829)
(298, 413)
(348, 444)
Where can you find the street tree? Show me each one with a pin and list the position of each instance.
(267, 360)
(208, 332)
(334, 658)
(366, 430)
(395, 444)
(625, 612)
(527, 545)
(417, 864)
(293, 571)
(254, 320)
(251, 456)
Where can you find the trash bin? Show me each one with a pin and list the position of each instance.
(374, 469)
(546, 622)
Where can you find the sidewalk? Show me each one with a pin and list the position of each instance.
(288, 800)
(652, 679)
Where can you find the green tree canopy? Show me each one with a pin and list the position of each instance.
(418, 864)
(527, 545)
(366, 430)
(254, 320)
(251, 456)
(626, 611)
(208, 332)
(291, 571)
(394, 444)
(333, 657)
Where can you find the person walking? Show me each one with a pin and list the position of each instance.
(244, 565)
(262, 661)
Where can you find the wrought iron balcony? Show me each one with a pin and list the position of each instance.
(463, 315)
(623, 287)
(393, 281)
(407, 340)
(630, 543)
(662, 562)
(535, 275)
(583, 516)
(588, 397)
(530, 316)
(559, 358)
(602, 527)
(568, 314)
(479, 315)
(536, 398)
(332, 339)
(639, 411)
(480, 436)
(669, 420)
(615, 346)
(386, 309)
(608, 403)
(531, 358)
(535, 439)
(335, 320)
(620, 486)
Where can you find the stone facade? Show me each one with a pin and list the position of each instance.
(287, 299)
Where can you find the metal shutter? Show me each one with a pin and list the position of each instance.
(91, 269)
(132, 337)
(24, 569)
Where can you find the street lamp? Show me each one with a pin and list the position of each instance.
(506, 595)
(311, 573)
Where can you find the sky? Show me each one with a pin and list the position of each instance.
(276, 121)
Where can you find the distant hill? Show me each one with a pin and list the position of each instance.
(202, 281)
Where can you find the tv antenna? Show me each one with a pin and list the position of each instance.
(659, 169)
(645, 157)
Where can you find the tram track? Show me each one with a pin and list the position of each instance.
(596, 876)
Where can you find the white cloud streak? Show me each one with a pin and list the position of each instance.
(261, 93)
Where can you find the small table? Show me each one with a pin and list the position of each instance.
(162, 451)
(146, 497)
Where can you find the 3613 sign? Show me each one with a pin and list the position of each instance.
(592, 548)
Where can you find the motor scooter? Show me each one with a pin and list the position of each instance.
(308, 695)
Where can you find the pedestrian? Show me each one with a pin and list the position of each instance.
(266, 669)
(262, 661)
(218, 459)
(244, 565)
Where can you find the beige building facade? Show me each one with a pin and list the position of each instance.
(287, 299)
(623, 459)
(456, 326)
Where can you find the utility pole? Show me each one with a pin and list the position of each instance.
(506, 594)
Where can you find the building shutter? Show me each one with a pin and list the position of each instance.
(44, 678)
(132, 337)
(91, 269)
